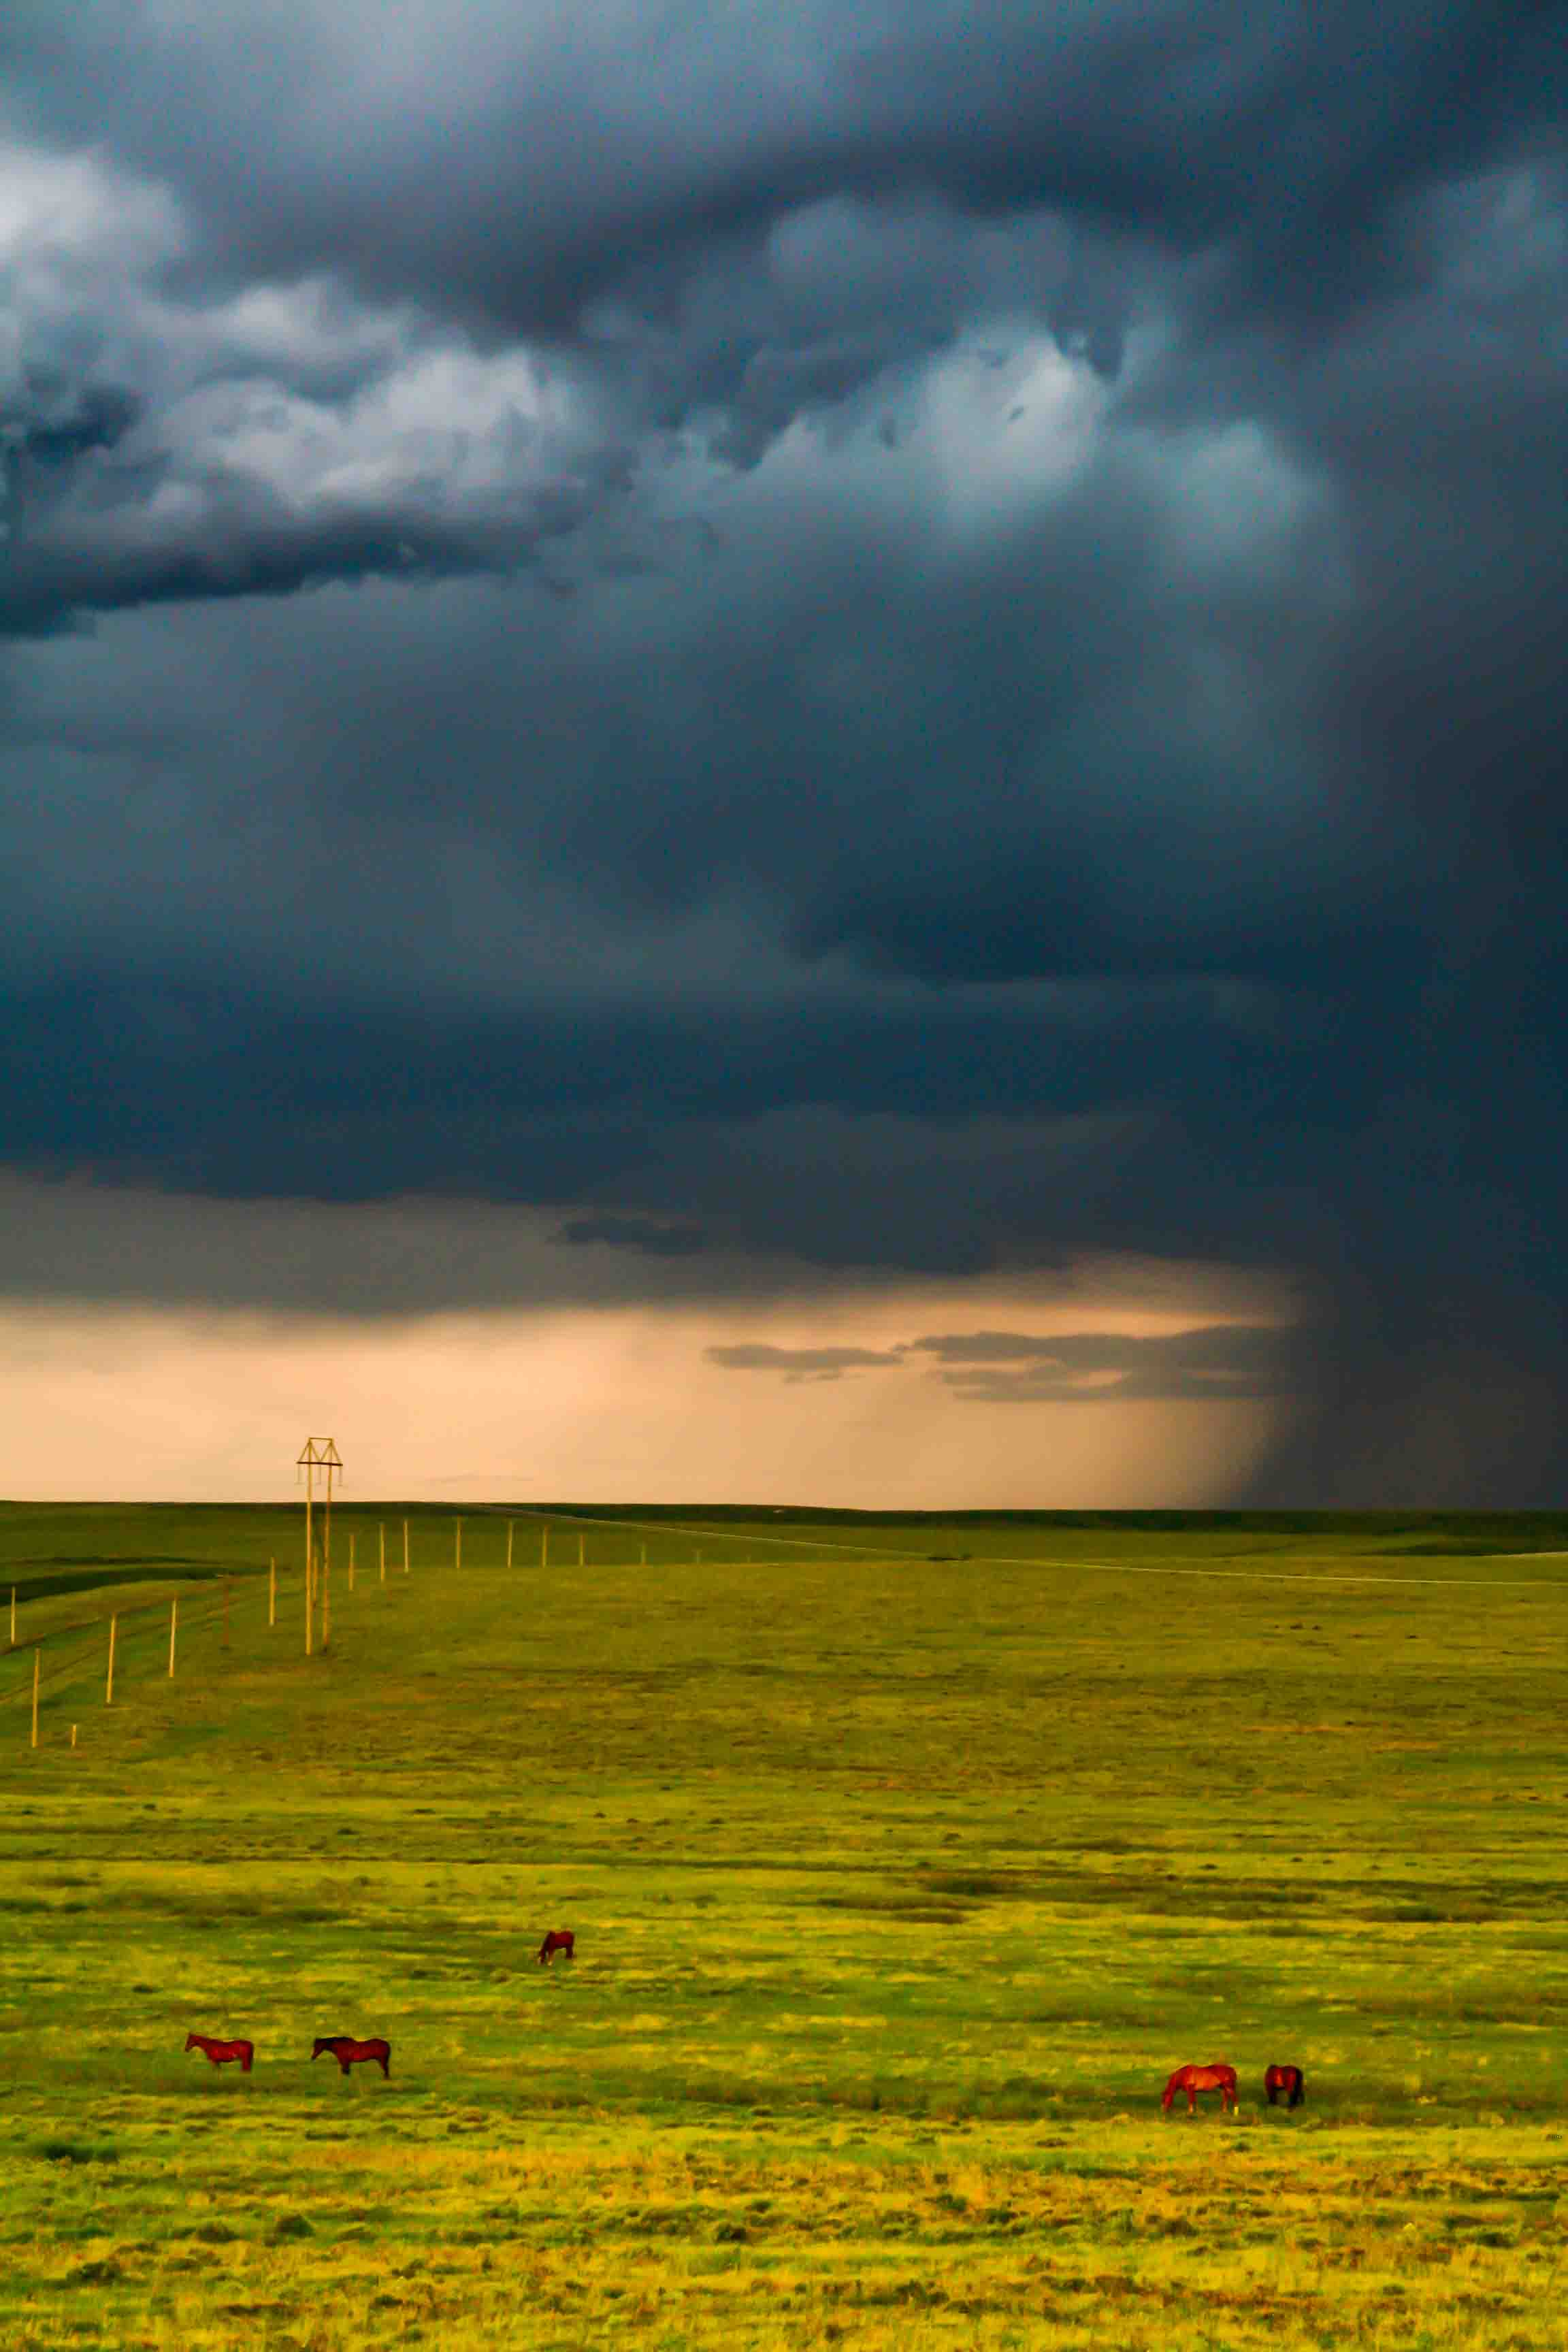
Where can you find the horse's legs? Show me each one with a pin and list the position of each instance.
(386, 2068)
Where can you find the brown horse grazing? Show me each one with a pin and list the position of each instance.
(348, 2053)
(1194, 2079)
(220, 2052)
(1289, 2079)
(560, 1939)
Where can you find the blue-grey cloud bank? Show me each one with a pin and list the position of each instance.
(924, 638)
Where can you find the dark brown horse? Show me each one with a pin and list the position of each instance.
(560, 1939)
(1289, 2079)
(1194, 2079)
(220, 2052)
(348, 2052)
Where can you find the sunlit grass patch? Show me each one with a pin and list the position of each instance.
(897, 1898)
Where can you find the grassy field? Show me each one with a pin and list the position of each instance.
(905, 1860)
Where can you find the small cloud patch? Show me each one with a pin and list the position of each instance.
(799, 1364)
(644, 1234)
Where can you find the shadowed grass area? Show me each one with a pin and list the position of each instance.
(900, 1887)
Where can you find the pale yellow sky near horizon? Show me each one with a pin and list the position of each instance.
(605, 1403)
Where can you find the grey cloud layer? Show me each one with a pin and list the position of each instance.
(1216, 1361)
(1219, 1361)
(924, 639)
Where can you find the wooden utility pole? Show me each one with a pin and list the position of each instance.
(321, 1454)
(405, 1547)
(508, 1528)
(108, 1687)
(173, 1620)
(272, 1592)
(327, 1541)
(37, 1653)
(12, 1616)
(327, 1602)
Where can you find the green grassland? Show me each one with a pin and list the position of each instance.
(905, 1859)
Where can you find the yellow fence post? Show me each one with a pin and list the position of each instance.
(36, 1655)
(108, 1687)
(173, 1620)
(272, 1592)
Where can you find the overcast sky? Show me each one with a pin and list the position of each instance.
(731, 692)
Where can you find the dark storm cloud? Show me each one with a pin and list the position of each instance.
(929, 640)
(1216, 1361)
(308, 138)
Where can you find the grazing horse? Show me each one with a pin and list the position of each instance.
(560, 1939)
(348, 2052)
(1289, 2079)
(1194, 2079)
(220, 2052)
